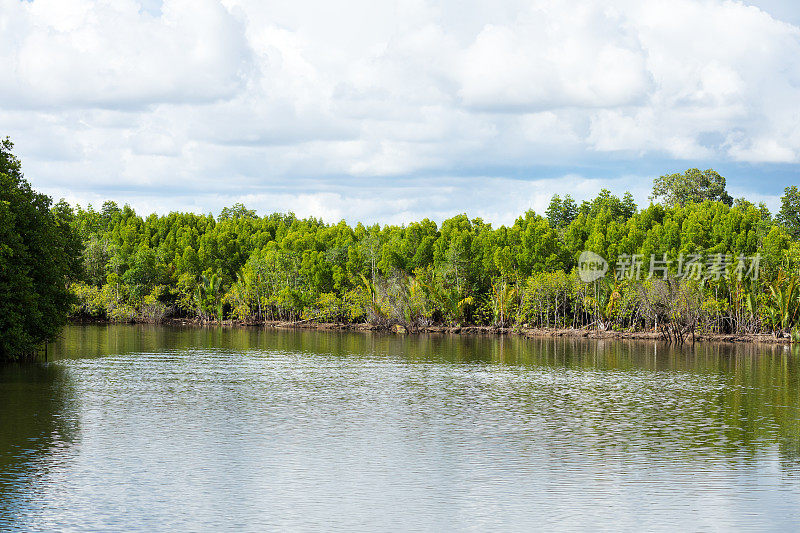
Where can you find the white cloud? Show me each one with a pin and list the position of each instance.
(557, 55)
(334, 107)
(111, 54)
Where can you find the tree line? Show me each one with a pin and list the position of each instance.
(114, 264)
(249, 268)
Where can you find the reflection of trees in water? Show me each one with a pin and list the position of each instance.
(741, 396)
(36, 423)
(712, 398)
(733, 399)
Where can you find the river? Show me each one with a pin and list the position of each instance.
(145, 428)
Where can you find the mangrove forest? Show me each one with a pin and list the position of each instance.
(243, 267)
(693, 260)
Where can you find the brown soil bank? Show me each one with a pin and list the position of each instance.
(466, 330)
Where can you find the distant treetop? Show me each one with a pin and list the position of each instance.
(236, 211)
(692, 186)
(789, 214)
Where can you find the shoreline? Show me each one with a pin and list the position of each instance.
(755, 338)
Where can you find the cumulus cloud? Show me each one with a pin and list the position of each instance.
(394, 110)
(112, 54)
(557, 54)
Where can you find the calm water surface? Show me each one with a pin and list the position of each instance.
(149, 428)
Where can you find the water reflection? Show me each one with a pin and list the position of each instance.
(220, 428)
(37, 427)
(750, 393)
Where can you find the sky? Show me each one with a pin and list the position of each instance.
(395, 111)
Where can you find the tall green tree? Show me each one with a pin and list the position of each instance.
(39, 255)
(692, 186)
(560, 213)
(789, 214)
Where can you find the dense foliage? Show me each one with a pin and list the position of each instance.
(39, 254)
(115, 265)
(244, 267)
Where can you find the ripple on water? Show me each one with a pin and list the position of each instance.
(253, 430)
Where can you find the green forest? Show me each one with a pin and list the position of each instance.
(244, 267)
(251, 269)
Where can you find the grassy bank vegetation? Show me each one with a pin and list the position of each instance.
(250, 268)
